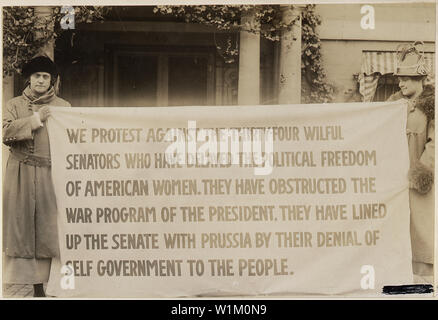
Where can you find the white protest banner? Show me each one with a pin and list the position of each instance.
(323, 209)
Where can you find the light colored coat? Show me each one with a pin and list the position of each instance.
(29, 204)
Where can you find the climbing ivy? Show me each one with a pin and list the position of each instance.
(269, 24)
(318, 90)
(24, 32)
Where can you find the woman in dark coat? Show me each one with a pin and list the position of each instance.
(30, 236)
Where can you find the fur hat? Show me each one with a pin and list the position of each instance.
(410, 62)
(40, 64)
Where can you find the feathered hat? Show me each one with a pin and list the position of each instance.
(410, 61)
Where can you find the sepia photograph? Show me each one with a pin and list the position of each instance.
(274, 150)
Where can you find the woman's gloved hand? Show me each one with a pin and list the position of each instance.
(44, 113)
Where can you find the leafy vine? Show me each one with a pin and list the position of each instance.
(25, 32)
(319, 90)
(269, 24)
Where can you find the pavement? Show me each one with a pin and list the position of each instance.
(15, 291)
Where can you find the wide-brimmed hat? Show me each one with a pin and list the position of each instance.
(410, 61)
(40, 64)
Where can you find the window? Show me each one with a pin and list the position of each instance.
(376, 80)
(140, 76)
(386, 86)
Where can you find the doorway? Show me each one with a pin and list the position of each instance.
(146, 76)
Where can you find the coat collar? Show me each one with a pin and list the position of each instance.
(43, 99)
(426, 102)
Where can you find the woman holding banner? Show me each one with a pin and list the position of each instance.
(30, 237)
(411, 72)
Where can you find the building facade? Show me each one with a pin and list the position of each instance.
(139, 58)
(352, 53)
(136, 57)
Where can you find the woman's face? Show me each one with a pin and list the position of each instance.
(409, 86)
(40, 82)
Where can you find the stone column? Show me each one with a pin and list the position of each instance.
(8, 89)
(8, 93)
(249, 63)
(289, 90)
(45, 14)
